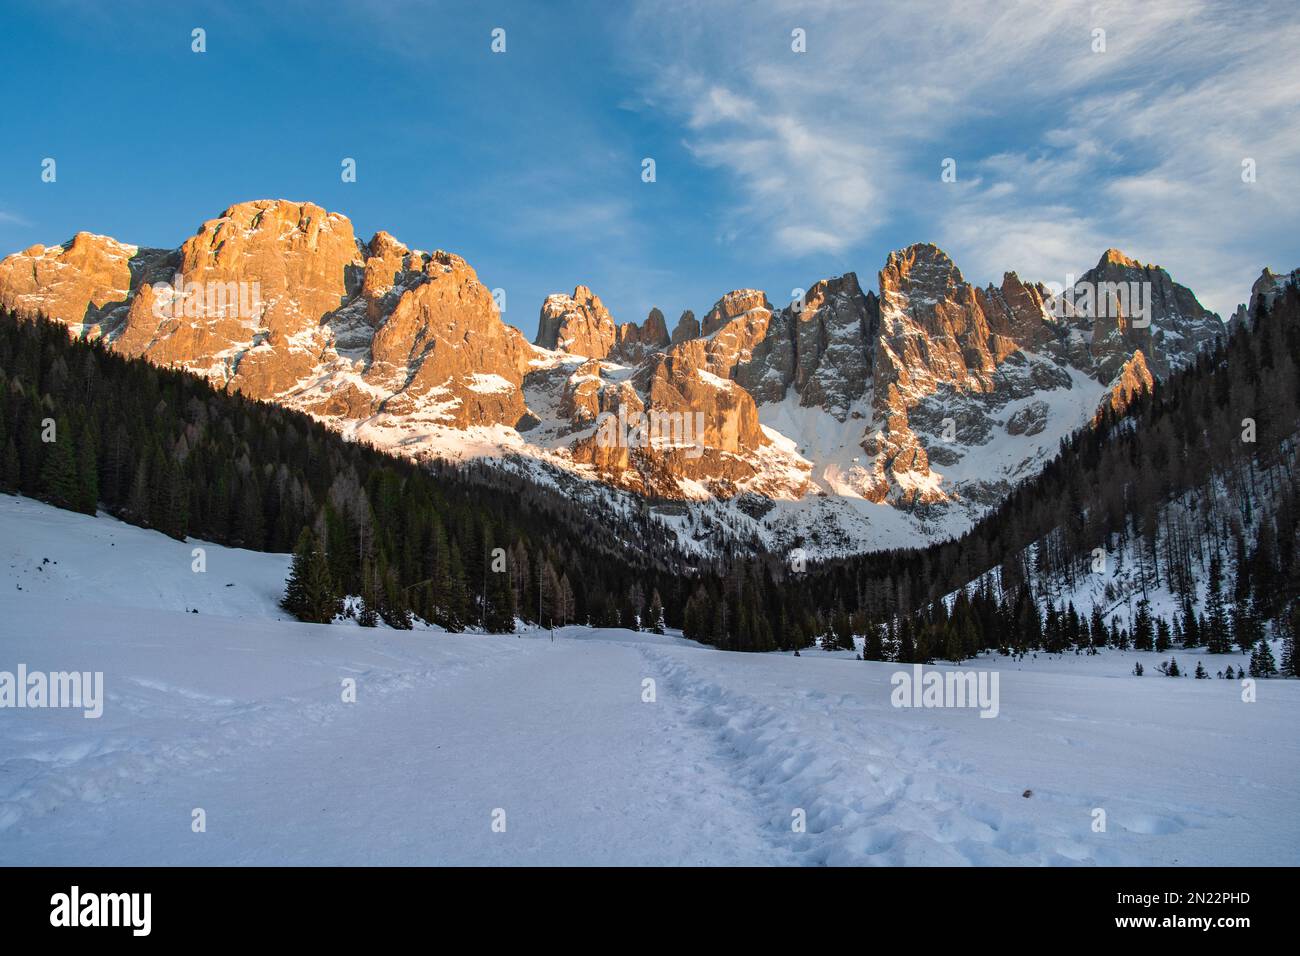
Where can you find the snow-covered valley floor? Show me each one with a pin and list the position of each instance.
(239, 712)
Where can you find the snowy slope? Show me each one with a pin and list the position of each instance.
(61, 557)
(240, 714)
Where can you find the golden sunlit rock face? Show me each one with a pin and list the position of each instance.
(578, 323)
(279, 300)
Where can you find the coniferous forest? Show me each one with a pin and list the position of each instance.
(1218, 440)
(1196, 479)
(82, 427)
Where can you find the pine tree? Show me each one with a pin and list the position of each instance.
(1143, 632)
(694, 617)
(1290, 657)
(1192, 636)
(1261, 660)
(566, 602)
(1118, 637)
(873, 647)
(1164, 639)
(10, 469)
(828, 641)
(87, 472)
(952, 649)
(368, 616)
(499, 612)
(548, 596)
(394, 605)
(1246, 628)
(1096, 628)
(1200, 671)
(841, 631)
(456, 612)
(309, 593)
(58, 478)
(906, 648)
(1219, 637)
(656, 613)
(634, 607)
(1052, 629)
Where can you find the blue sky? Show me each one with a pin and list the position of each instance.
(774, 168)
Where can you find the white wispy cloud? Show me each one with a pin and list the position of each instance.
(1062, 151)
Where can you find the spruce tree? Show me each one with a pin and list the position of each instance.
(1192, 636)
(368, 615)
(953, 645)
(656, 613)
(1164, 639)
(873, 647)
(1290, 657)
(394, 605)
(906, 648)
(58, 478)
(1143, 632)
(1219, 639)
(1096, 628)
(309, 593)
(566, 601)
(10, 468)
(1261, 660)
(499, 614)
(87, 472)
(1246, 628)
(841, 631)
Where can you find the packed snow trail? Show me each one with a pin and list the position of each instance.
(553, 734)
(241, 714)
(1185, 772)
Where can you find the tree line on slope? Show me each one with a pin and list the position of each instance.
(82, 427)
(1218, 437)
(476, 546)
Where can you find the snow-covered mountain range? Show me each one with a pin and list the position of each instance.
(848, 420)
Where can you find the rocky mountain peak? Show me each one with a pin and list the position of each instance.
(84, 282)
(1113, 257)
(1270, 284)
(655, 330)
(383, 245)
(1133, 379)
(923, 272)
(833, 331)
(732, 305)
(1126, 306)
(636, 341)
(687, 327)
(952, 392)
(578, 324)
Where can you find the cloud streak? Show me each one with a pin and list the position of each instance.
(1062, 148)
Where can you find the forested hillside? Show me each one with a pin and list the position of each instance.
(1195, 480)
(81, 426)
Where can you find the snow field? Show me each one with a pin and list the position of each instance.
(240, 713)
